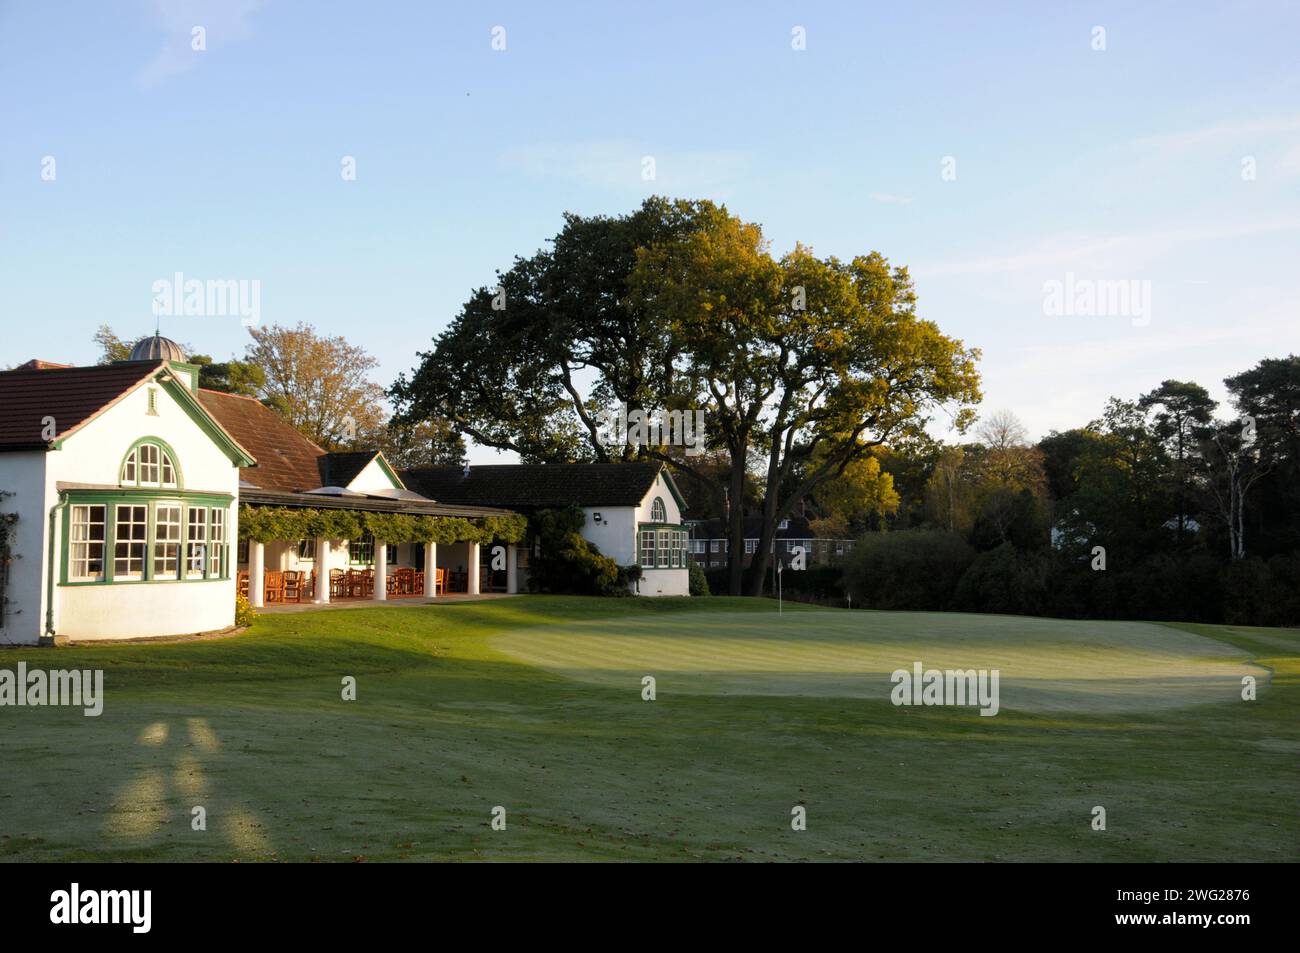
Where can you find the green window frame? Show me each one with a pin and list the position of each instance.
(647, 549)
(125, 538)
(361, 552)
(88, 523)
(150, 462)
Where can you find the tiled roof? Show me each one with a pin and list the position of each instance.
(533, 486)
(286, 460)
(70, 395)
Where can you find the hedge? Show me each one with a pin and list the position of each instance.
(262, 524)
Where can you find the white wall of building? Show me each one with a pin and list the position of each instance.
(23, 475)
(93, 455)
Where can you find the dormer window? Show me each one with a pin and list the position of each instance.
(149, 464)
(658, 512)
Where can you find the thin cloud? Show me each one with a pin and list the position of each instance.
(887, 198)
(1072, 251)
(221, 20)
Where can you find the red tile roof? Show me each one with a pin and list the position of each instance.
(72, 396)
(286, 460)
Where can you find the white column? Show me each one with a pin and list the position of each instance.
(322, 572)
(430, 570)
(471, 570)
(256, 566)
(512, 570)
(381, 570)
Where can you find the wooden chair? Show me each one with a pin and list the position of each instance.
(292, 586)
(392, 582)
(338, 584)
(439, 581)
(417, 582)
(405, 581)
(273, 587)
(241, 580)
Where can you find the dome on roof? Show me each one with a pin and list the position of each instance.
(157, 348)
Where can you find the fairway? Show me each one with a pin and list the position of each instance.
(1045, 664)
(534, 705)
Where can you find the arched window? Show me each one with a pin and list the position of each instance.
(658, 512)
(150, 464)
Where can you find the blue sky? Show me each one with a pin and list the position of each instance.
(1122, 164)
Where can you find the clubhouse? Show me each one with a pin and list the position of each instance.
(137, 504)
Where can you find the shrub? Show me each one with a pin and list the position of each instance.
(699, 581)
(1005, 580)
(566, 562)
(244, 611)
(908, 569)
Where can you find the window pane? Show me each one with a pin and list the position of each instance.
(148, 463)
(663, 547)
(130, 530)
(167, 542)
(647, 549)
(168, 471)
(217, 549)
(87, 543)
(196, 540)
(129, 467)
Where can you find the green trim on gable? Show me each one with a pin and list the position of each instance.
(205, 421)
(390, 472)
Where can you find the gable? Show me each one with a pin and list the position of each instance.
(157, 411)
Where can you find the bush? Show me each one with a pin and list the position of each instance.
(1005, 580)
(908, 569)
(699, 581)
(566, 562)
(244, 611)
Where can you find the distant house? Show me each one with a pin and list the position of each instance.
(709, 543)
(634, 510)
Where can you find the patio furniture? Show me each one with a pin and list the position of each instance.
(338, 583)
(292, 586)
(417, 583)
(439, 581)
(404, 581)
(273, 587)
(241, 582)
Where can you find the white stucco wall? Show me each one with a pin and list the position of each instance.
(616, 536)
(23, 475)
(94, 455)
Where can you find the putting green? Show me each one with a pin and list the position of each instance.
(1044, 664)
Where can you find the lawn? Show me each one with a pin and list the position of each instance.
(534, 704)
